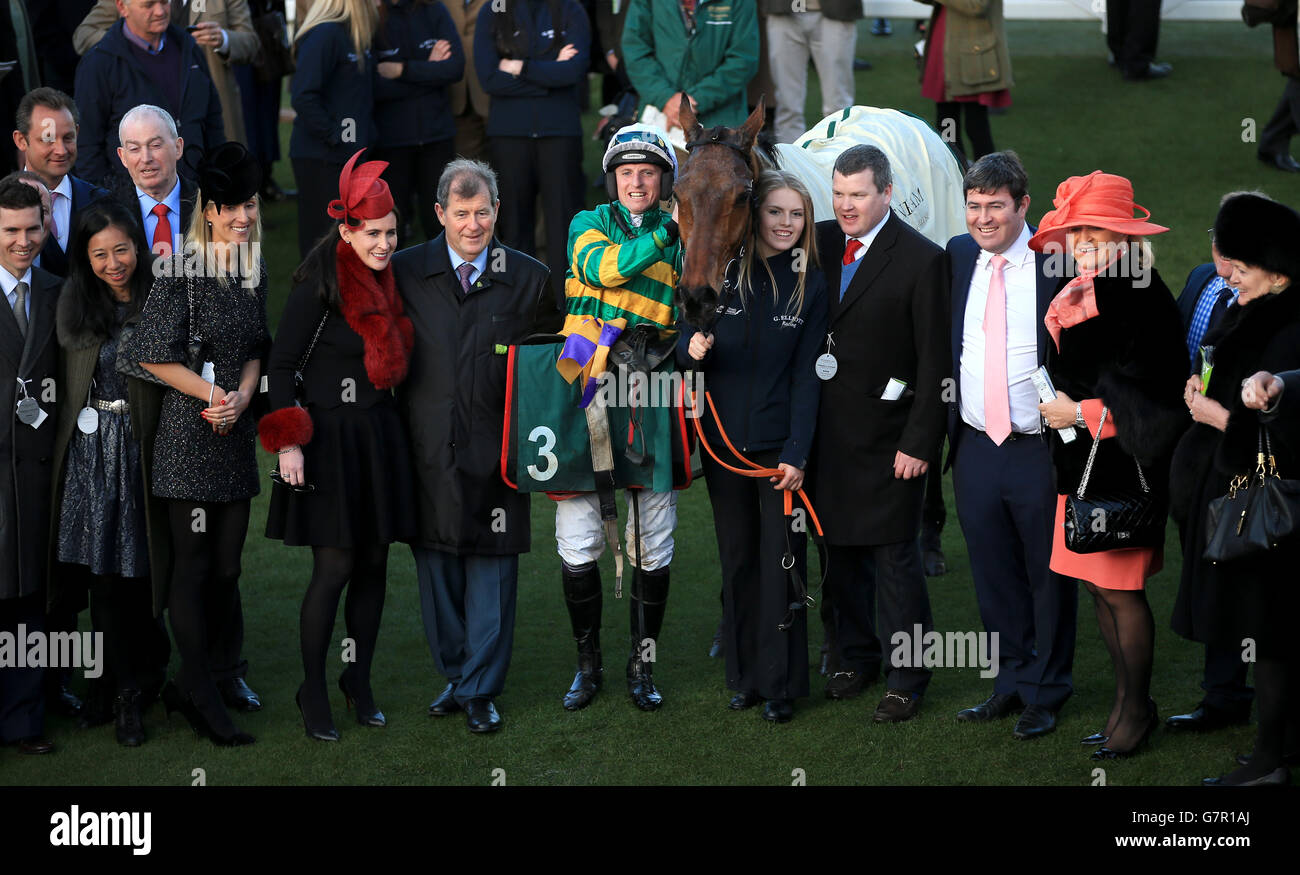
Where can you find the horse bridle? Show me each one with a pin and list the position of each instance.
(715, 139)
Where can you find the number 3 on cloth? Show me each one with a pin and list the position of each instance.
(547, 438)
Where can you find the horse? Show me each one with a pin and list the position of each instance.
(715, 187)
(715, 198)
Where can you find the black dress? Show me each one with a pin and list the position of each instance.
(358, 459)
(191, 462)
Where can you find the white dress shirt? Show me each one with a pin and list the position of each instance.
(61, 206)
(868, 238)
(479, 262)
(1020, 277)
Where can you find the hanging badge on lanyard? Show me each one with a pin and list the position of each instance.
(826, 363)
(88, 417)
(27, 410)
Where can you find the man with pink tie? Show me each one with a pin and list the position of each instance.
(1000, 455)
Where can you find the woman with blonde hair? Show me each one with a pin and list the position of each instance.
(332, 91)
(759, 364)
(210, 297)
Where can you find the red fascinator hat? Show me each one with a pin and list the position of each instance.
(1098, 200)
(362, 194)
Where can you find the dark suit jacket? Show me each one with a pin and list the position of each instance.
(963, 253)
(892, 322)
(453, 398)
(125, 193)
(26, 454)
(1197, 280)
(53, 259)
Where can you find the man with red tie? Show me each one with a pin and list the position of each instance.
(1001, 456)
(150, 152)
(881, 417)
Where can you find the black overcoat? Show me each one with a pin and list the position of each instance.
(1255, 597)
(453, 398)
(892, 323)
(27, 453)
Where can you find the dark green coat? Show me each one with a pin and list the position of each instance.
(713, 64)
(78, 356)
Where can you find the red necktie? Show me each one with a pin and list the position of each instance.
(162, 232)
(851, 250)
(997, 394)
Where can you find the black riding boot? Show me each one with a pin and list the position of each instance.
(653, 589)
(582, 595)
(126, 711)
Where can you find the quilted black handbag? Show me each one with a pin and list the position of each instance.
(1259, 510)
(1114, 519)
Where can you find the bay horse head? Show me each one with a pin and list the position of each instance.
(715, 194)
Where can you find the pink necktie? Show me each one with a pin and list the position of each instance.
(997, 403)
(54, 206)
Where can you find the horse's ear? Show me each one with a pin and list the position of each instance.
(749, 130)
(689, 120)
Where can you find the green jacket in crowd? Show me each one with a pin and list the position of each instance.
(712, 62)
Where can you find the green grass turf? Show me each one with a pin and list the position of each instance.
(1179, 139)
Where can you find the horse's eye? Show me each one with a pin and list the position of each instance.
(742, 198)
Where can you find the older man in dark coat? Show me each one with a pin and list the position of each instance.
(467, 296)
(28, 356)
(882, 415)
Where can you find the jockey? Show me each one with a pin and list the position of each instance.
(624, 261)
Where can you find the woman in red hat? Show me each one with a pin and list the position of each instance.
(343, 478)
(1118, 363)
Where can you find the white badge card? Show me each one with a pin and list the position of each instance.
(27, 410)
(88, 417)
(209, 372)
(826, 365)
(893, 390)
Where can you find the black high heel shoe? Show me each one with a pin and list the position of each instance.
(174, 700)
(330, 734)
(1096, 738)
(367, 713)
(1153, 719)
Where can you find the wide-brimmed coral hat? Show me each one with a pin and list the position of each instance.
(1098, 200)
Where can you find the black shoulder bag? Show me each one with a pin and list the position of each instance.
(1259, 510)
(1115, 519)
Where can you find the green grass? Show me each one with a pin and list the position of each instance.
(1179, 139)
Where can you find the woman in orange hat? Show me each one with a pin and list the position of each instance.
(1118, 364)
(342, 484)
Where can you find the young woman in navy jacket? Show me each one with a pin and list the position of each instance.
(759, 367)
(531, 66)
(419, 57)
(333, 92)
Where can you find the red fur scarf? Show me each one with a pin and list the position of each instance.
(373, 310)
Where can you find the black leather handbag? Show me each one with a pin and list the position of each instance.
(1114, 519)
(1259, 510)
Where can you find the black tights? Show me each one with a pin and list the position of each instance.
(977, 127)
(120, 608)
(208, 538)
(366, 567)
(1129, 631)
(1277, 698)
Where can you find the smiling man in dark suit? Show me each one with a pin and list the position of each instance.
(888, 325)
(45, 132)
(28, 355)
(1001, 460)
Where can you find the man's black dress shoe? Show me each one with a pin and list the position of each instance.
(778, 711)
(1207, 718)
(897, 706)
(1154, 70)
(35, 745)
(445, 703)
(846, 685)
(236, 694)
(994, 707)
(1281, 161)
(1038, 720)
(481, 715)
(741, 701)
(1290, 760)
(63, 702)
(1281, 776)
(860, 64)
